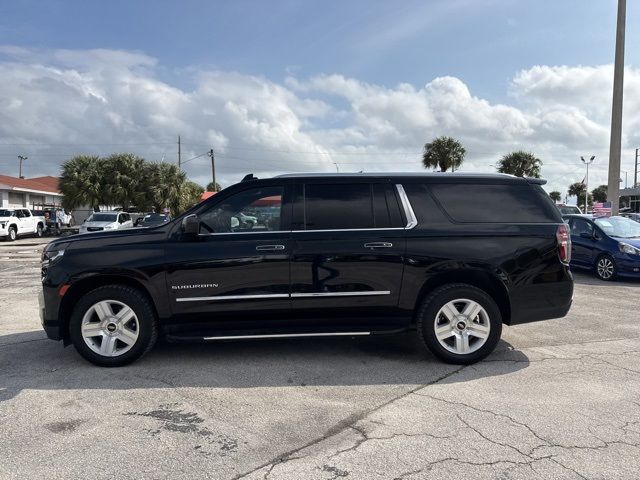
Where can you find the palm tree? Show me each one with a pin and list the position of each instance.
(555, 196)
(123, 173)
(578, 190)
(82, 182)
(520, 164)
(190, 194)
(600, 193)
(212, 188)
(444, 153)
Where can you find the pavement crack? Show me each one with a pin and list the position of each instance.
(341, 426)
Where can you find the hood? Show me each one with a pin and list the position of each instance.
(97, 224)
(634, 242)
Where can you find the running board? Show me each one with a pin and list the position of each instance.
(269, 335)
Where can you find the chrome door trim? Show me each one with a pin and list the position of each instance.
(412, 221)
(232, 297)
(269, 247)
(287, 335)
(340, 294)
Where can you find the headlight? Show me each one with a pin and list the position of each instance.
(52, 253)
(630, 249)
(109, 227)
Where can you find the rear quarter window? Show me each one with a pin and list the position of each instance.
(499, 203)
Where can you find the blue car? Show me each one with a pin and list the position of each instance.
(610, 246)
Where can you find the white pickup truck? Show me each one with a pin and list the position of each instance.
(15, 222)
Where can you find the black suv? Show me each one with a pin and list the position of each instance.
(451, 256)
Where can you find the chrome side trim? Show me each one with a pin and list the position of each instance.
(412, 221)
(349, 230)
(231, 297)
(340, 294)
(243, 233)
(288, 335)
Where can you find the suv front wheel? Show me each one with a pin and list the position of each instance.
(459, 323)
(113, 325)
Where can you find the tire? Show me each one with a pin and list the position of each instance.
(12, 234)
(96, 313)
(605, 268)
(39, 231)
(447, 332)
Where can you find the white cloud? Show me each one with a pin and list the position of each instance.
(59, 103)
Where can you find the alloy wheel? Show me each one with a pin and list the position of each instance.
(462, 326)
(110, 328)
(605, 268)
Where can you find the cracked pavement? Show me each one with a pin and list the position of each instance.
(558, 399)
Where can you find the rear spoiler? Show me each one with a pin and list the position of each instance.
(536, 181)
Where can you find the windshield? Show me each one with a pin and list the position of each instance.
(565, 210)
(103, 217)
(619, 227)
(5, 213)
(155, 218)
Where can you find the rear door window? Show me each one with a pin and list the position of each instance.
(502, 203)
(338, 206)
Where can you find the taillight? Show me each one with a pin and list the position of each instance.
(564, 243)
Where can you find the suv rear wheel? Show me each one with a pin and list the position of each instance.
(459, 323)
(113, 325)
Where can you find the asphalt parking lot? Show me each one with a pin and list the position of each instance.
(559, 399)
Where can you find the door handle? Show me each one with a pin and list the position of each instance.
(269, 247)
(378, 245)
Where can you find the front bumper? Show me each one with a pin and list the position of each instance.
(50, 323)
(628, 266)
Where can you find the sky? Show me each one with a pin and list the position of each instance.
(298, 86)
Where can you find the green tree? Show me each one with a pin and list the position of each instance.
(190, 195)
(578, 190)
(599, 193)
(443, 153)
(123, 180)
(520, 164)
(555, 196)
(211, 188)
(82, 182)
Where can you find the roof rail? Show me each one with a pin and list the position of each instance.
(536, 181)
(249, 177)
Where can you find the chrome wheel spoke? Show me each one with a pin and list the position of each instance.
(108, 346)
(444, 331)
(478, 330)
(90, 330)
(472, 310)
(462, 342)
(450, 311)
(103, 310)
(125, 314)
(127, 336)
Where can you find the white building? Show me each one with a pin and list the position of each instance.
(34, 193)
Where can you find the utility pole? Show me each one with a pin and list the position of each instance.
(213, 168)
(586, 192)
(22, 159)
(615, 145)
(337, 167)
(179, 154)
(635, 172)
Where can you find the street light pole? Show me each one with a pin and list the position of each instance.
(615, 144)
(586, 191)
(337, 167)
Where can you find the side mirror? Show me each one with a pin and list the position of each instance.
(190, 225)
(586, 235)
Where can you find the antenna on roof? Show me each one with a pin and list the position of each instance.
(249, 177)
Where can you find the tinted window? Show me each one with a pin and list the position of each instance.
(386, 209)
(468, 203)
(425, 208)
(256, 209)
(338, 206)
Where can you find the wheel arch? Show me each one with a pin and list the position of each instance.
(87, 284)
(485, 281)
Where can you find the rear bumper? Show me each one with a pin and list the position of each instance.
(541, 301)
